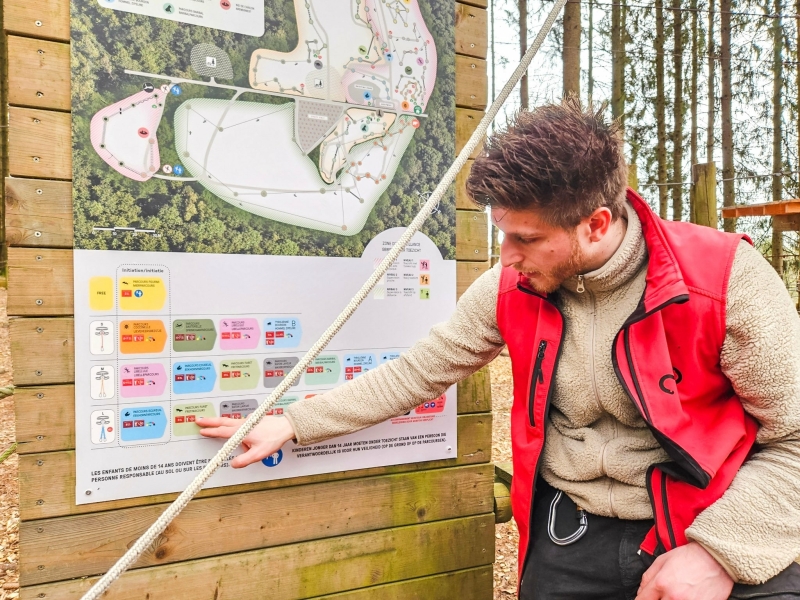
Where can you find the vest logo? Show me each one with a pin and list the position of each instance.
(675, 376)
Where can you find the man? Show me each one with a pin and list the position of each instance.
(656, 375)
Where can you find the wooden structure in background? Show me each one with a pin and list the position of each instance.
(411, 531)
(703, 201)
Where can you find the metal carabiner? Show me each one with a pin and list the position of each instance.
(551, 526)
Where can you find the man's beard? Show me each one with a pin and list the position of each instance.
(550, 281)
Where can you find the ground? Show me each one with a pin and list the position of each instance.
(505, 567)
(9, 484)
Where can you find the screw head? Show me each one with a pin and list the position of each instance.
(88, 492)
(39, 502)
(40, 437)
(40, 567)
(39, 257)
(40, 330)
(39, 302)
(449, 449)
(39, 94)
(39, 191)
(39, 529)
(40, 51)
(36, 159)
(40, 462)
(37, 373)
(38, 24)
(40, 395)
(37, 234)
(38, 120)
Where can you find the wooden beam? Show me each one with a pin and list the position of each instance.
(471, 584)
(38, 73)
(29, 267)
(463, 201)
(478, 3)
(38, 213)
(47, 19)
(42, 350)
(471, 82)
(45, 415)
(45, 418)
(766, 209)
(467, 272)
(471, 32)
(475, 393)
(39, 143)
(39, 282)
(47, 480)
(466, 122)
(472, 231)
(307, 569)
(502, 502)
(66, 547)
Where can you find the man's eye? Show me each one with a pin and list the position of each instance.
(526, 240)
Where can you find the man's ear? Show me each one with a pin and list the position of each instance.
(599, 223)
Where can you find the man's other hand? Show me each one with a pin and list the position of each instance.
(685, 573)
(266, 438)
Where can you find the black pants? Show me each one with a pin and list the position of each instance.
(604, 564)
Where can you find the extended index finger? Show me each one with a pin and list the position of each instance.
(218, 422)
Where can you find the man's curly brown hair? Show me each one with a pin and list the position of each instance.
(562, 160)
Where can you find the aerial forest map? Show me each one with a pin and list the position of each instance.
(332, 125)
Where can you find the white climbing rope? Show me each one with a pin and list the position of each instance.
(172, 511)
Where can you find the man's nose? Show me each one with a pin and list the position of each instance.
(509, 255)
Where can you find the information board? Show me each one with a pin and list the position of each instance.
(240, 168)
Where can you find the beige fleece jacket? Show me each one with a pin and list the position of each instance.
(598, 448)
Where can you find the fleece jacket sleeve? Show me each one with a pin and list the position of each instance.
(754, 529)
(452, 351)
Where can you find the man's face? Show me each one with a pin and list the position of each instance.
(545, 254)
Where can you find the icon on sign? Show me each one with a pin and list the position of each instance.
(178, 170)
(175, 90)
(138, 293)
(225, 4)
(211, 61)
(273, 460)
(148, 87)
(169, 8)
(143, 132)
(318, 83)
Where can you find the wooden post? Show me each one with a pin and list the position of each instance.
(633, 177)
(704, 194)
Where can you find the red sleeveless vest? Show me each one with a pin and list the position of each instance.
(667, 358)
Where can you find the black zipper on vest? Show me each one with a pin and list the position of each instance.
(538, 377)
(667, 517)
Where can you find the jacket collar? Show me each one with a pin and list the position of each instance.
(664, 282)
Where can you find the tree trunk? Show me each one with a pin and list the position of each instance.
(777, 131)
(661, 148)
(728, 172)
(571, 51)
(590, 44)
(693, 98)
(523, 47)
(712, 98)
(618, 61)
(677, 115)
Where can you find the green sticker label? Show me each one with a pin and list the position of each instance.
(193, 335)
(323, 371)
(185, 415)
(238, 374)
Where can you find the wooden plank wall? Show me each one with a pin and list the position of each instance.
(409, 531)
